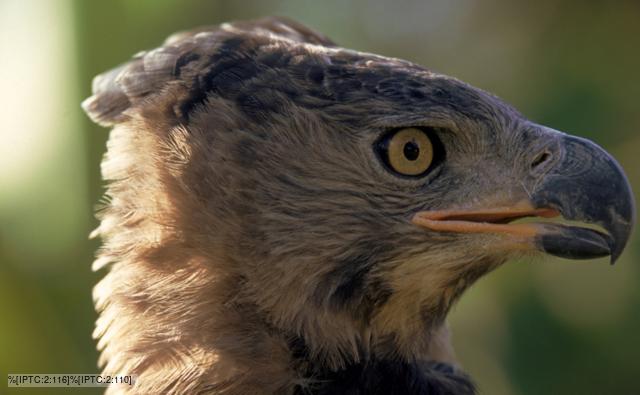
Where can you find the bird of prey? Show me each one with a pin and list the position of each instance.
(286, 216)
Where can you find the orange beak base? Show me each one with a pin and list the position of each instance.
(561, 240)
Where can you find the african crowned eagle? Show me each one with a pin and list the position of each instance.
(285, 216)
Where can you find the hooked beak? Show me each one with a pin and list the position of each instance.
(585, 184)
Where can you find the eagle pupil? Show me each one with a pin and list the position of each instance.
(411, 150)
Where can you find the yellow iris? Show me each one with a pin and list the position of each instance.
(410, 151)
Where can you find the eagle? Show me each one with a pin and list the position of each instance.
(286, 216)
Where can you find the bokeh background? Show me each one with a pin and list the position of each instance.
(547, 327)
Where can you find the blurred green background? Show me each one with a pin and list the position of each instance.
(545, 327)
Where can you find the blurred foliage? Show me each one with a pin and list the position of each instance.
(540, 327)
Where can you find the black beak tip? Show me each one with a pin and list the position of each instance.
(587, 185)
(619, 240)
(623, 217)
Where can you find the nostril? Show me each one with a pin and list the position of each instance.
(540, 159)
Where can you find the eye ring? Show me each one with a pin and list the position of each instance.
(410, 152)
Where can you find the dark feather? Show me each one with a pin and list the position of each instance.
(182, 60)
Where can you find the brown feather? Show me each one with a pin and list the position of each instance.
(243, 217)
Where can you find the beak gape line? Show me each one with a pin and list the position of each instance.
(586, 185)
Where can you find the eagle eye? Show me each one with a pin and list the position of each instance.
(409, 151)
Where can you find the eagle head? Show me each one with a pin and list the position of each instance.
(287, 215)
